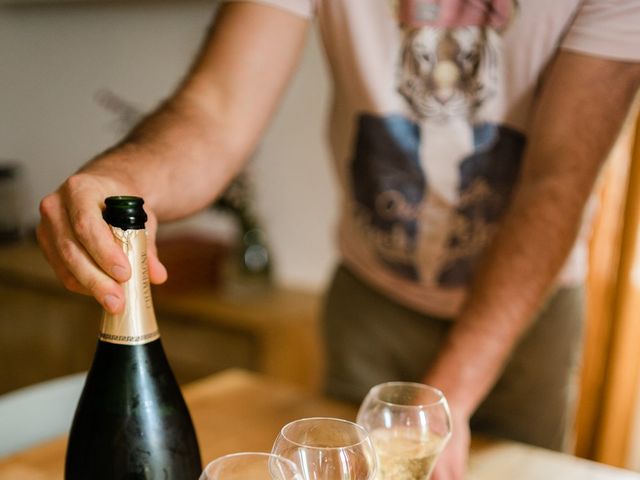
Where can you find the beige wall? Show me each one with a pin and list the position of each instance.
(55, 58)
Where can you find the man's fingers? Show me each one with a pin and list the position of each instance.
(93, 232)
(62, 272)
(68, 256)
(80, 245)
(157, 271)
(106, 290)
(95, 236)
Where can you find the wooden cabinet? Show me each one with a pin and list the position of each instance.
(46, 331)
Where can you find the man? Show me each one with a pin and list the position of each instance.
(466, 136)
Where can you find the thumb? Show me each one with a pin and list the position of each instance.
(157, 271)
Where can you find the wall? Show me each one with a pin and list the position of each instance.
(57, 60)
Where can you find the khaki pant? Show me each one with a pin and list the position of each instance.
(370, 339)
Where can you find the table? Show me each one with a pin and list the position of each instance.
(240, 411)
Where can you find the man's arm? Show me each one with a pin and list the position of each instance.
(182, 156)
(579, 113)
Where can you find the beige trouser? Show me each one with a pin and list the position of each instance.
(370, 339)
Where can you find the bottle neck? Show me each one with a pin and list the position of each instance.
(137, 324)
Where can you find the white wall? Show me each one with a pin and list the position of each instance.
(55, 58)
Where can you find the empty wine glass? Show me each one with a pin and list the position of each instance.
(251, 466)
(409, 424)
(328, 449)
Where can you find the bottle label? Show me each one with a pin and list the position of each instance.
(137, 323)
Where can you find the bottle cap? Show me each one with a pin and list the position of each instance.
(125, 212)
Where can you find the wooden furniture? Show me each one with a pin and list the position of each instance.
(611, 366)
(46, 331)
(238, 411)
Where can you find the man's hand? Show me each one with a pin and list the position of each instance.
(180, 157)
(79, 245)
(452, 462)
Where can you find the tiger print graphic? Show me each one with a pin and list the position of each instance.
(448, 72)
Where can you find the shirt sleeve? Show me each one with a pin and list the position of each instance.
(607, 29)
(302, 8)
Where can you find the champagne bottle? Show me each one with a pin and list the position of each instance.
(131, 421)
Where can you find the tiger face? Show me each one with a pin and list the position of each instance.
(447, 72)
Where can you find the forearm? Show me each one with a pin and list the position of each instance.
(178, 159)
(514, 279)
(183, 155)
(571, 135)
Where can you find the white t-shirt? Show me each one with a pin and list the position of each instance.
(428, 126)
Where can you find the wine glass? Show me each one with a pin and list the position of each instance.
(328, 449)
(409, 424)
(251, 466)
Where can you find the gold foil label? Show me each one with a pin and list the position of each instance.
(137, 323)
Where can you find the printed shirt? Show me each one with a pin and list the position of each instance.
(429, 123)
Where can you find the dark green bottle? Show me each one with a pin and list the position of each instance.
(131, 422)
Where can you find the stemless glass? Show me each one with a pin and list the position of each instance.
(409, 424)
(328, 449)
(251, 466)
